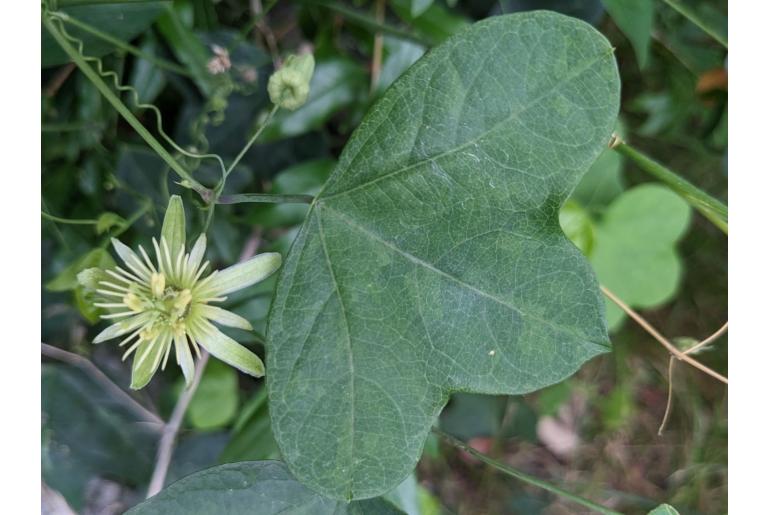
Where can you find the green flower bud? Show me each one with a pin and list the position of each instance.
(290, 85)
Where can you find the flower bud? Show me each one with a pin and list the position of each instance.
(290, 85)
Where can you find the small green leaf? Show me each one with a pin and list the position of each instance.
(252, 438)
(664, 509)
(107, 221)
(577, 225)
(67, 279)
(634, 17)
(173, 230)
(263, 487)
(635, 250)
(215, 402)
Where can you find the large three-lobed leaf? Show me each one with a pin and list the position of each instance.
(432, 261)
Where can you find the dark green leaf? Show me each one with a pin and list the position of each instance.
(634, 17)
(67, 279)
(263, 487)
(121, 20)
(432, 261)
(89, 432)
(435, 23)
(469, 415)
(587, 10)
(252, 437)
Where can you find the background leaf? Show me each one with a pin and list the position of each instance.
(635, 247)
(263, 487)
(215, 403)
(121, 20)
(430, 260)
(88, 433)
(634, 17)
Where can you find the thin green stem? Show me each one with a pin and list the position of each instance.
(270, 198)
(697, 20)
(714, 210)
(157, 61)
(251, 141)
(71, 221)
(502, 467)
(124, 111)
(215, 196)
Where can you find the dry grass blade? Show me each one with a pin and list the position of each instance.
(655, 334)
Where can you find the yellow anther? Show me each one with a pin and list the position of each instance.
(158, 284)
(179, 328)
(133, 302)
(183, 298)
(148, 333)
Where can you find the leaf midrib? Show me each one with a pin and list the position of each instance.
(377, 238)
(351, 364)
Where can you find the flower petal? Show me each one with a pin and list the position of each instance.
(123, 327)
(173, 229)
(194, 260)
(224, 317)
(241, 275)
(131, 260)
(146, 360)
(184, 358)
(228, 350)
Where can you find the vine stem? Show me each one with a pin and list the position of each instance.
(506, 469)
(170, 430)
(113, 99)
(71, 221)
(655, 334)
(671, 360)
(714, 210)
(248, 145)
(270, 198)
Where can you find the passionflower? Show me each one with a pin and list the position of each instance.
(171, 302)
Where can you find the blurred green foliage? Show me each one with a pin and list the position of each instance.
(644, 242)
